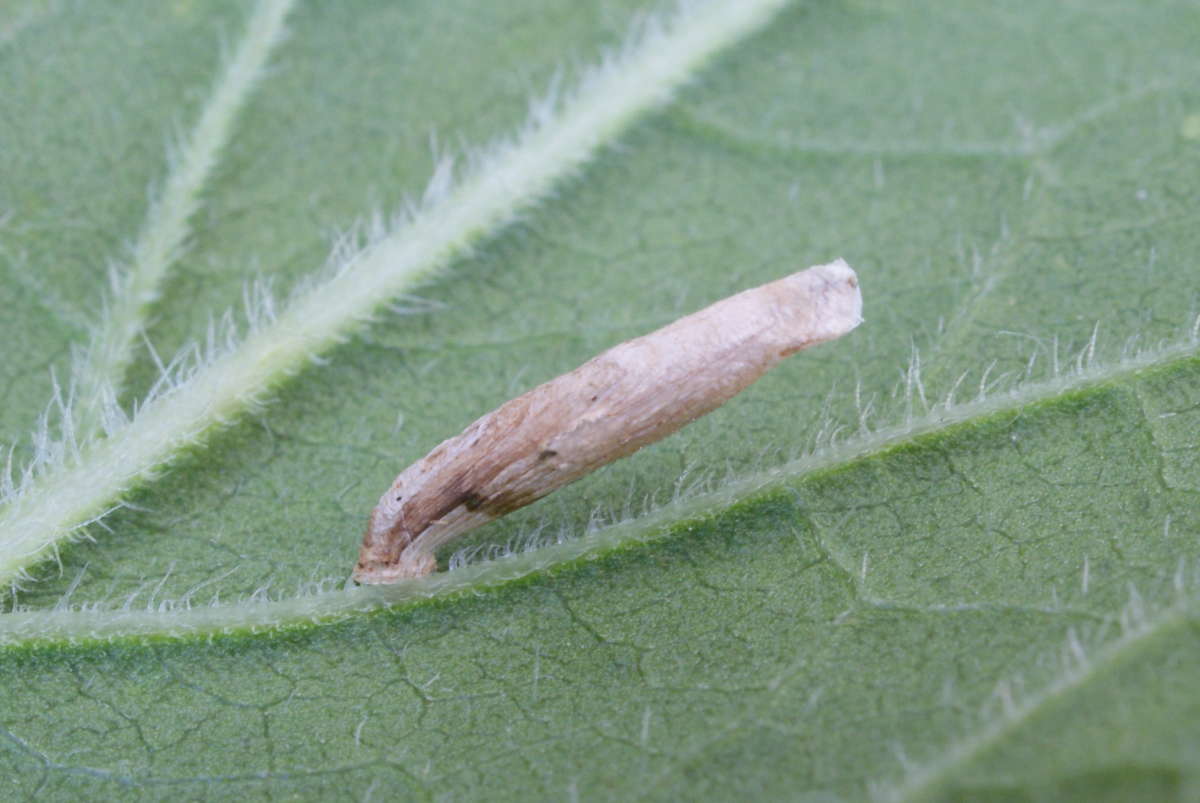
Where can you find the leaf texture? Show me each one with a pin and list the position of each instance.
(951, 556)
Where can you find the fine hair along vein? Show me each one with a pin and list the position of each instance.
(70, 485)
(632, 395)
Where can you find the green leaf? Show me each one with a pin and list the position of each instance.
(951, 555)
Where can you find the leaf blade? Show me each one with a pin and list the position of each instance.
(793, 641)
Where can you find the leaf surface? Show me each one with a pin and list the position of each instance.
(953, 554)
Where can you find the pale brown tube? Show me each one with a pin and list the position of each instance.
(632, 395)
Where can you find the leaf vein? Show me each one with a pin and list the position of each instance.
(75, 485)
(28, 628)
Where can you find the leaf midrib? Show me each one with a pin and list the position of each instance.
(40, 628)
